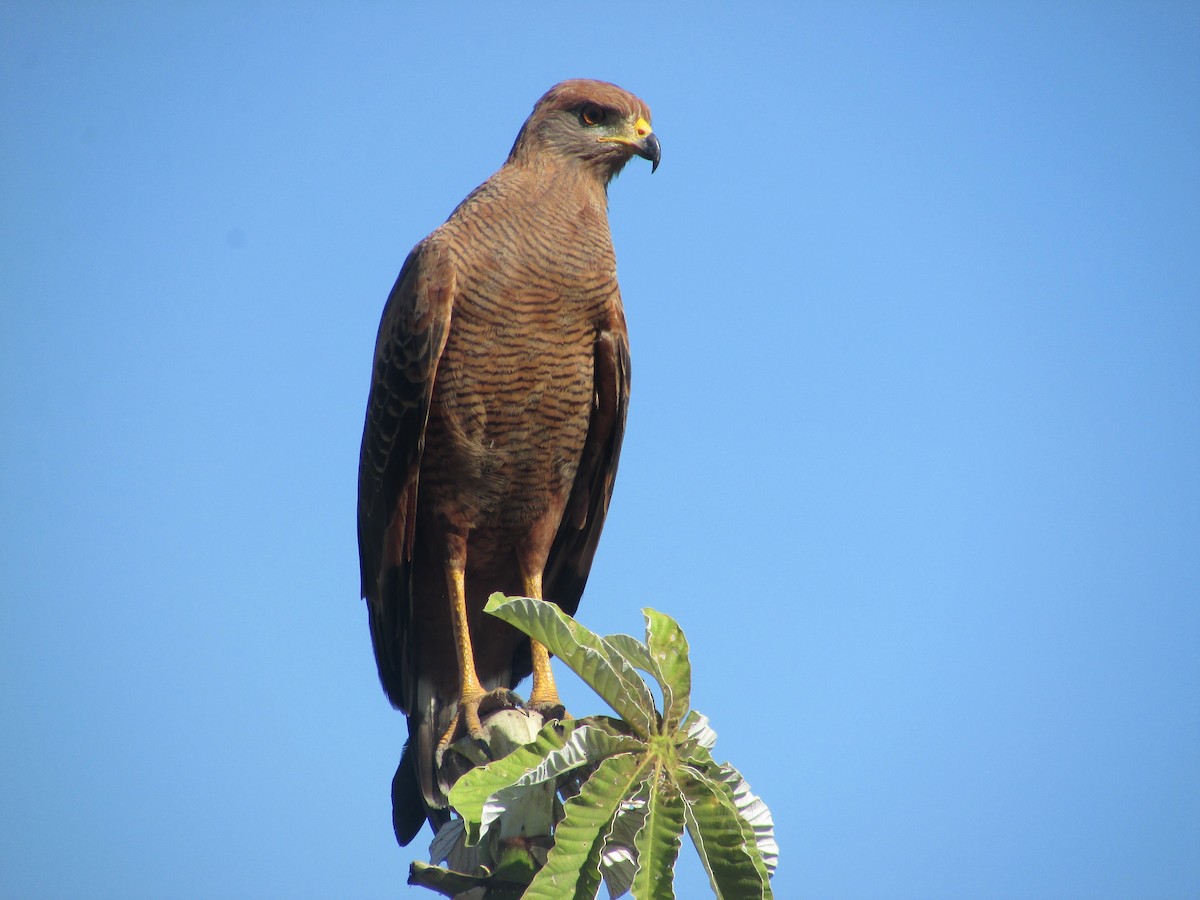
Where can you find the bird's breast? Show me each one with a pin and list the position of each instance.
(535, 283)
(511, 403)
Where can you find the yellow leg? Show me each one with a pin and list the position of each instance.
(470, 691)
(544, 693)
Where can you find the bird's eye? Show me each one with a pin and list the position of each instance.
(591, 115)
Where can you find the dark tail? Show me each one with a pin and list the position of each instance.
(418, 794)
(409, 809)
(419, 786)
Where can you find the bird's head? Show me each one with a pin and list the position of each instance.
(593, 123)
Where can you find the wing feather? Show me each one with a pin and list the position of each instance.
(412, 335)
(579, 534)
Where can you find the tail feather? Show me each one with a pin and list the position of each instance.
(417, 795)
(419, 786)
(409, 810)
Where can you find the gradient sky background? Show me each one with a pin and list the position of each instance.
(913, 453)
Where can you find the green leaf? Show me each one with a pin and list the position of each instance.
(658, 841)
(441, 880)
(446, 841)
(697, 728)
(696, 740)
(618, 860)
(724, 841)
(585, 745)
(607, 672)
(669, 650)
(638, 655)
(754, 812)
(573, 867)
(473, 789)
(452, 884)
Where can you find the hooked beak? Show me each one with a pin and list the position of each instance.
(649, 148)
(645, 143)
(642, 141)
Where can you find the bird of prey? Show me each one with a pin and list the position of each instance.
(497, 406)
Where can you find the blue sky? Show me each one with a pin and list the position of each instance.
(913, 453)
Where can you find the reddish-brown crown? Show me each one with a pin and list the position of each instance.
(578, 91)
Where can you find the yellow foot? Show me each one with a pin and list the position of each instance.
(548, 709)
(470, 712)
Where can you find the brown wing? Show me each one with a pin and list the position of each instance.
(577, 538)
(412, 335)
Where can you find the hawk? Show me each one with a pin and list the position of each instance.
(497, 406)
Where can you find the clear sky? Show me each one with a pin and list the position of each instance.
(913, 453)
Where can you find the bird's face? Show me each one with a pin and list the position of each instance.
(592, 123)
(598, 124)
